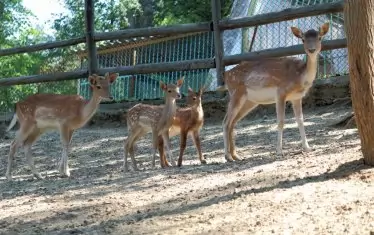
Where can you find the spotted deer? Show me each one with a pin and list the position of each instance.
(187, 121)
(41, 113)
(144, 118)
(268, 81)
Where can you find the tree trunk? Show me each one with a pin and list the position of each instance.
(359, 21)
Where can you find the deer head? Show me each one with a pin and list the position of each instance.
(194, 98)
(101, 85)
(311, 38)
(172, 90)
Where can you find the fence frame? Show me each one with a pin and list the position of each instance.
(217, 25)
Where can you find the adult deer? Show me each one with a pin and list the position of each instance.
(268, 81)
(144, 118)
(40, 113)
(187, 121)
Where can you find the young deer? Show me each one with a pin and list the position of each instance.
(187, 120)
(268, 81)
(143, 118)
(40, 113)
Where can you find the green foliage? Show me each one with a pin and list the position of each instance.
(192, 11)
(109, 16)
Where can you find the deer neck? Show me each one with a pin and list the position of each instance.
(311, 68)
(198, 110)
(90, 107)
(170, 109)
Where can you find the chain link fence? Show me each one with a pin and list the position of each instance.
(331, 63)
(152, 50)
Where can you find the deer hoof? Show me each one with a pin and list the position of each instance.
(8, 177)
(203, 161)
(229, 158)
(308, 149)
(236, 157)
(279, 153)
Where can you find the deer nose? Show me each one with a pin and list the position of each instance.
(179, 96)
(312, 50)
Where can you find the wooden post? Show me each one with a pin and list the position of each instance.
(359, 21)
(90, 42)
(218, 43)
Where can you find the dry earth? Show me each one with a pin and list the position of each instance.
(327, 191)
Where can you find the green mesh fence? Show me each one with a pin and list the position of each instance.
(147, 51)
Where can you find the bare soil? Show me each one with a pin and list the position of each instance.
(326, 191)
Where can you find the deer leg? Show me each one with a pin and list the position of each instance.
(280, 109)
(246, 108)
(21, 134)
(182, 147)
(166, 139)
(163, 161)
(234, 106)
(27, 149)
(65, 136)
(129, 148)
(298, 111)
(196, 141)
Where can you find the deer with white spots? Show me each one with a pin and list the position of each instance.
(269, 81)
(144, 118)
(187, 121)
(40, 113)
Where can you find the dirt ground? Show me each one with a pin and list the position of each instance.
(327, 191)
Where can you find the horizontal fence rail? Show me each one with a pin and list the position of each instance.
(55, 77)
(174, 66)
(153, 31)
(42, 46)
(287, 14)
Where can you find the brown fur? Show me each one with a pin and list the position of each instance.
(40, 113)
(271, 80)
(143, 118)
(187, 121)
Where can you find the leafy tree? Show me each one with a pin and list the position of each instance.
(191, 11)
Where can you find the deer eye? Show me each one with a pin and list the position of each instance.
(169, 91)
(194, 98)
(98, 87)
(319, 38)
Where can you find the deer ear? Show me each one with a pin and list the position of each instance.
(180, 81)
(190, 89)
(92, 79)
(297, 32)
(163, 86)
(112, 77)
(324, 29)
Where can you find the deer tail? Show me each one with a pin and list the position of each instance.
(12, 123)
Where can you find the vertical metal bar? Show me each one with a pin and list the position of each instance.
(90, 43)
(218, 44)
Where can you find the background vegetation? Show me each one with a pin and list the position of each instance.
(16, 30)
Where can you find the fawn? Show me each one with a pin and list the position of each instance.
(143, 118)
(40, 113)
(268, 81)
(187, 120)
